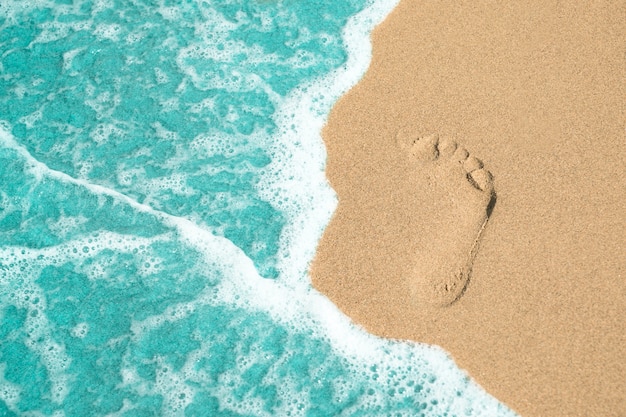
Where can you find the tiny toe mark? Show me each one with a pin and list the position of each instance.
(460, 154)
(425, 147)
(422, 147)
(447, 147)
(482, 179)
(472, 164)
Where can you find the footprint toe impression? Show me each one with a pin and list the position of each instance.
(421, 147)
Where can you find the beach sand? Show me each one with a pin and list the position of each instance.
(537, 94)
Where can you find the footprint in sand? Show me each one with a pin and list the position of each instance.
(463, 196)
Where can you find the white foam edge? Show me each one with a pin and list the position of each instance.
(302, 182)
(243, 287)
(242, 284)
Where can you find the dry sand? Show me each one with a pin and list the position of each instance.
(536, 91)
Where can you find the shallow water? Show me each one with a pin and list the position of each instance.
(161, 192)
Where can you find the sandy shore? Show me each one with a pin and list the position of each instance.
(537, 94)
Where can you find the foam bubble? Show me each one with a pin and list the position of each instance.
(108, 31)
(80, 330)
(9, 393)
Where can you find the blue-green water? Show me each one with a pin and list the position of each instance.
(161, 193)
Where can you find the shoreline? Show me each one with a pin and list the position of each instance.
(537, 96)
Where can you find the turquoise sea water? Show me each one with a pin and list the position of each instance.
(161, 193)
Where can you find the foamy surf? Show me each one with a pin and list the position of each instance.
(143, 271)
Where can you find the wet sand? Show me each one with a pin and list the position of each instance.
(537, 94)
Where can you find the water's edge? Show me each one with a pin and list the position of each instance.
(162, 190)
